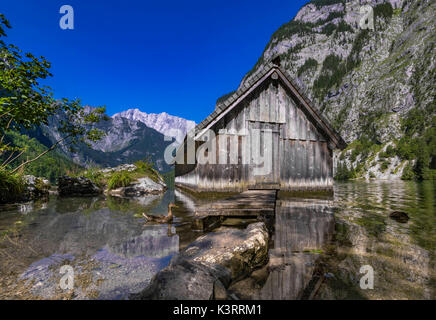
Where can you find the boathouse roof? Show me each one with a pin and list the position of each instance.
(272, 69)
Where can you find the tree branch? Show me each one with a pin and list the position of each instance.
(41, 154)
(9, 161)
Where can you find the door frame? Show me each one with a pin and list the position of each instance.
(275, 162)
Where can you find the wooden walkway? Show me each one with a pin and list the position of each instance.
(248, 204)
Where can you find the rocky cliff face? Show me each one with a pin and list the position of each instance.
(164, 123)
(366, 82)
(126, 141)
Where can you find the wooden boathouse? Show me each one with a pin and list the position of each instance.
(267, 135)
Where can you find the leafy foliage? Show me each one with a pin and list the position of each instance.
(25, 103)
(119, 179)
(11, 185)
(419, 144)
(146, 168)
(50, 167)
(334, 69)
(343, 173)
(332, 72)
(384, 10)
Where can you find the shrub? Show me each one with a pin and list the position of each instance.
(11, 186)
(408, 173)
(321, 3)
(329, 29)
(308, 64)
(384, 10)
(331, 75)
(344, 27)
(385, 164)
(95, 175)
(119, 179)
(146, 168)
(343, 173)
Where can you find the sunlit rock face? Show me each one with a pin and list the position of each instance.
(164, 123)
(125, 141)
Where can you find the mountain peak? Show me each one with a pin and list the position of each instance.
(161, 122)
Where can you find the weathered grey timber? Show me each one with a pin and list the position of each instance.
(268, 135)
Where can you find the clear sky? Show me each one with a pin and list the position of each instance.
(172, 56)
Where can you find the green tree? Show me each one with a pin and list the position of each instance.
(25, 103)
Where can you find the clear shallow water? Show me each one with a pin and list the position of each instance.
(106, 241)
(113, 253)
(320, 244)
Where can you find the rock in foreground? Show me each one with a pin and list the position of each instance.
(80, 186)
(28, 188)
(35, 188)
(207, 266)
(141, 186)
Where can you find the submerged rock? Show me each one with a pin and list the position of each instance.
(80, 186)
(205, 268)
(399, 216)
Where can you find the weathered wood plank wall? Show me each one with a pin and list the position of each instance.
(301, 157)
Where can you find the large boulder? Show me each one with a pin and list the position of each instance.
(207, 266)
(35, 188)
(241, 251)
(30, 188)
(140, 187)
(77, 186)
(186, 280)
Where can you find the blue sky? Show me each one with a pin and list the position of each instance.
(172, 56)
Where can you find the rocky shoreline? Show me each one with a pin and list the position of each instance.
(32, 188)
(142, 184)
(134, 182)
(207, 267)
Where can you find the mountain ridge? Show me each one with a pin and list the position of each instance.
(161, 122)
(125, 141)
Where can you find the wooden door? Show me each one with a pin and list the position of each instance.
(264, 169)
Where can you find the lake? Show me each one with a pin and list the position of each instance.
(318, 248)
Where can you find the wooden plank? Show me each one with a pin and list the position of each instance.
(273, 103)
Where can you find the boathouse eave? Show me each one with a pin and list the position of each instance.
(257, 80)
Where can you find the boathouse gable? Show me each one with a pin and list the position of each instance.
(270, 124)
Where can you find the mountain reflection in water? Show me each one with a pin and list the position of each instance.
(105, 240)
